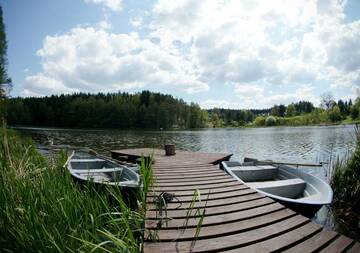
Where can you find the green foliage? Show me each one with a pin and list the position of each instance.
(290, 110)
(43, 210)
(355, 109)
(114, 110)
(259, 121)
(232, 117)
(335, 114)
(345, 182)
(278, 110)
(354, 112)
(270, 121)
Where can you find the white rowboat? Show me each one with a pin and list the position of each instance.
(292, 187)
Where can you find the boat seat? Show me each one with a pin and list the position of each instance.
(255, 173)
(97, 177)
(288, 188)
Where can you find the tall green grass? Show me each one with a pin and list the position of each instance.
(345, 182)
(43, 210)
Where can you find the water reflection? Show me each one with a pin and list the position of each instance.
(293, 144)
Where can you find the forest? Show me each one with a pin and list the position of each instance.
(113, 110)
(149, 110)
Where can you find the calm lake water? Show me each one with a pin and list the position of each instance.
(293, 144)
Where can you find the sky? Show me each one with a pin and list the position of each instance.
(217, 53)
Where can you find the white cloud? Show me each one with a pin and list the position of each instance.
(136, 22)
(105, 25)
(39, 85)
(212, 103)
(114, 5)
(255, 96)
(93, 60)
(261, 47)
(278, 42)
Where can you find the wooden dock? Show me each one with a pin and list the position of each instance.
(236, 218)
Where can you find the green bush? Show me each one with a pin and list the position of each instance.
(259, 121)
(270, 121)
(335, 114)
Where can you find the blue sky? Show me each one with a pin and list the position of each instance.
(232, 54)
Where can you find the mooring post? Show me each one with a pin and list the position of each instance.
(169, 149)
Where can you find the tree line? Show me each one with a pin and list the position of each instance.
(149, 110)
(113, 110)
(305, 113)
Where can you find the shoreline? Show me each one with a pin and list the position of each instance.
(50, 128)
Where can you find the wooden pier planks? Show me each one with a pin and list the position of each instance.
(236, 218)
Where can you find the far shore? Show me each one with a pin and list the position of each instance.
(52, 128)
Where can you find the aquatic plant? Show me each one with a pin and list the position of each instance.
(345, 182)
(43, 210)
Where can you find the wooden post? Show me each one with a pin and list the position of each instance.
(169, 149)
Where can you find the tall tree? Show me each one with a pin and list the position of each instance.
(5, 80)
(327, 101)
(290, 110)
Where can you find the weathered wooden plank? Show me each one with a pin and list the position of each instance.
(229, 241)
(188, 180)
(213, 198)
(192, 176)
(214, 210)
(355, 248)
(159, 188)
(170, 165)
(210, 203)
(224, 229)
(314, 243)
(208, 168)
(338, 245)
(191, 173)
(225, 189)
(189, 170)
(278, 243)
(197, 183)
(216, 219)
(159, 155)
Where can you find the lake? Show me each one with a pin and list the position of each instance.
(292, 144)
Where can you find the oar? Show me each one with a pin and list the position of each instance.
(247, 159)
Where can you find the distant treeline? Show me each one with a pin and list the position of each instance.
(148, 110)
(305, 113)
(231, 117)
(114, 110)
(295, 114)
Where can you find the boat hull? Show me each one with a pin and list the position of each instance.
(305, 209)
(297, 190)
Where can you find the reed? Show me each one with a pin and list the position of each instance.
(43, 210)
(345, 182)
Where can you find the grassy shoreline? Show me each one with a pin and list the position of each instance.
(44, 210)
